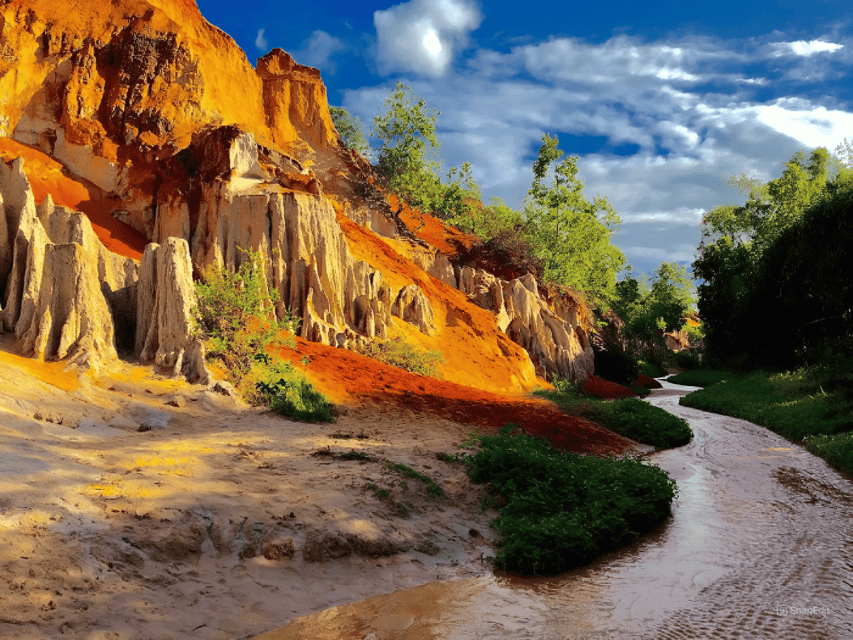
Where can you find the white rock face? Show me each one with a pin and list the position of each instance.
(56, 289)
(553, 334)
(165, 300)
(67, 296)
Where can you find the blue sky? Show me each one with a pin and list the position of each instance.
(661, 100)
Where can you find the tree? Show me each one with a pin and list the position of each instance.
(407, 156)
(571, 235)
(350, 129)
(649, 308)
(734, 239)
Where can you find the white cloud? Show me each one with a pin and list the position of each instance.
(697, 110)
(261, 41)
(422, 35)
(804, 48)
(318, 49)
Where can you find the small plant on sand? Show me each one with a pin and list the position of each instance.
(235, 317)
(405, 470)
(560, 510)
(399, 353)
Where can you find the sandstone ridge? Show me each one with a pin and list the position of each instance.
(154, 150)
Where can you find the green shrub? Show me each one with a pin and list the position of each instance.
(687, 360)
(399, 353)
(561, 509)
(629, 417)
(235, 317)
(651, 369)
(286, 391)
(617, 363)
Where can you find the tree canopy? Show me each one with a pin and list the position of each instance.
(571, 235)
(350, 129)
(745, 249)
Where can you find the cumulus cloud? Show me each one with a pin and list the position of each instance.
(690, 112)
(422, 35)
(318, 50)
(261, 41)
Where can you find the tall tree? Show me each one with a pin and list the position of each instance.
(571, 234)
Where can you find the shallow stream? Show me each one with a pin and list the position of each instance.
(760, 545)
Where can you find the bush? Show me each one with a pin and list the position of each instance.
(235, 317)
(617, 363)
(687, 360)
(628, 417)
(562, 509)
(399, 353)
(651, 369)
(287, 392)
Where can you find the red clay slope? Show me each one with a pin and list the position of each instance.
(348, 377)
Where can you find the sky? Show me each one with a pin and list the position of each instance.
(661, 100)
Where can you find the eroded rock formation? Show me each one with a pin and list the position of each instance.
(165, 134)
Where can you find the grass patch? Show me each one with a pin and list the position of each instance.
(796, 405)
(837, 450)
(403, 355)
(562, 510)
(703, 377)
(651, 369)
(405, 470)
(288, 392)
(628, 417)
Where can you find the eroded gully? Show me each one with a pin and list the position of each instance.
(760, 545)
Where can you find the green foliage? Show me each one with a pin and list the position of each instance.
(286, 391)
(570, 234)
(795, 404)
(651, 369)
(616, 362)
(648, 309)
(399, 353)
(783, 252)
(235, 314)
(350, 129)
(407, 159)
(562, 509)
(405, 470)
(837, 450)
(629, 417)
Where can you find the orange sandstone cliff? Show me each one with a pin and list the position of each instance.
(140, 146)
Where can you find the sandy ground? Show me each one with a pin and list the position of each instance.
(216, 520)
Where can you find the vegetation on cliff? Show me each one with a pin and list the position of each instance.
(560, 510)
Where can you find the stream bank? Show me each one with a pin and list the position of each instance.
(758, 546)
